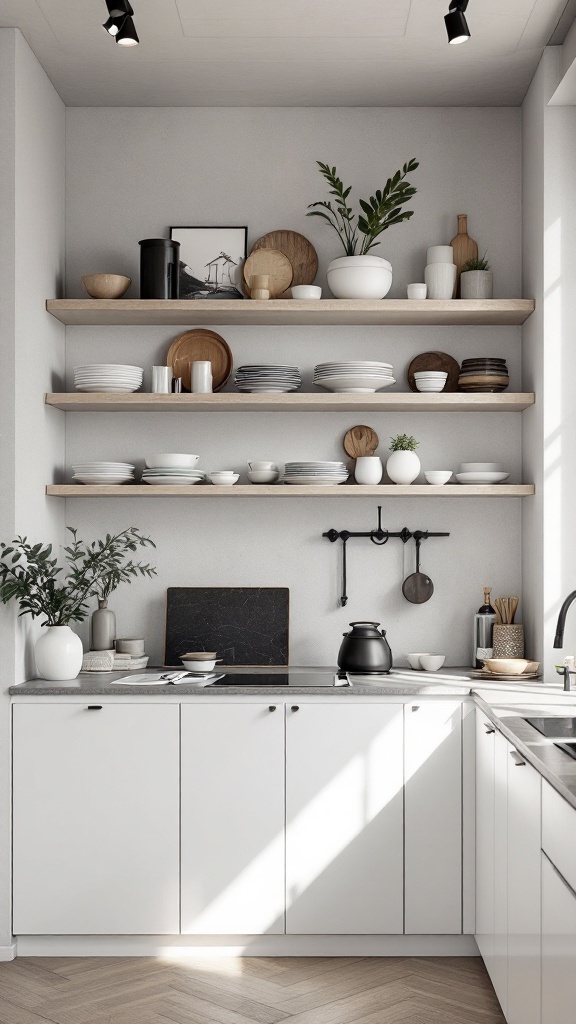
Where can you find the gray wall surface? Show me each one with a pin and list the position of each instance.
(130, 174)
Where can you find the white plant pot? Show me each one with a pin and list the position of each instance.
(403, 467)
(359, 277)
(368, 470)
(440, 279)
(59, 653)
(476, 284)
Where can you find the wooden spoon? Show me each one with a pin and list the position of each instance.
(360, 441)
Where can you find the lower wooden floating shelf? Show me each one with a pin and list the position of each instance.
(291, 491)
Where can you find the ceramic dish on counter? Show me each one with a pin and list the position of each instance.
(206, 665)
(426, 662)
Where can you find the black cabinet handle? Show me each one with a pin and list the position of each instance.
(489, 730)
(295, 707)
(518, 761)
(272, 707)
(415, 707)
(94, 707)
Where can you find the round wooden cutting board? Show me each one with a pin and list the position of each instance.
(271, 262)
(298, 249)
(200, 344)
(434, 361)
(360, 441)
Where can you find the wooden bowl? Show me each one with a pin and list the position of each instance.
(506, 666)
(106, 286)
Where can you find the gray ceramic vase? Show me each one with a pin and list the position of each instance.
(476, 284)
(103, 628)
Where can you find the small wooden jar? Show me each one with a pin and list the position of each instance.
(260, 286)
(508, 641)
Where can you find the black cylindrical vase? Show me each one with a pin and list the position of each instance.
(159, 268)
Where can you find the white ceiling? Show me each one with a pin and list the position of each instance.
(306, 53)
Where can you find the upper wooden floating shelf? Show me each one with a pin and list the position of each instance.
(397, 401)
(279, 312)
(290, 491)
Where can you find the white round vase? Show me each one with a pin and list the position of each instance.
(403, 467)
(359, 277)
(368, 469)
(59, 653)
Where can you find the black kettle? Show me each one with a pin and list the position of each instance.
(365, 649)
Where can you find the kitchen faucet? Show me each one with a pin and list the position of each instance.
(559, 639)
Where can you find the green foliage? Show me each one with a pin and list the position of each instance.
(31, 576)
(403, 443)
(481, 264)
(380, 212)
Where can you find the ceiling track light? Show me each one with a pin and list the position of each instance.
(119, 8)
(119, 24)
(127, 36)
(456, 24)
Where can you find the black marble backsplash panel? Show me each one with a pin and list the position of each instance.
(245, 625)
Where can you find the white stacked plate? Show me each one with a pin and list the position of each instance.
(481, 473)
(353, 377)
(108, 377)
(163, 476)
(315, 473)
(103, 473)
(267, 378)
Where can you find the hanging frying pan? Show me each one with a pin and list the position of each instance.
(418, 587)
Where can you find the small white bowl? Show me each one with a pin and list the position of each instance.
(432, 662)
(263, 467)
(200, 666)
(306, 291)
(417, 291)
(172, 461)
(263, 477)
(437, 476)
(224, 479)
(435, 386)
(481, 467)
(436, 374)
(414, 660)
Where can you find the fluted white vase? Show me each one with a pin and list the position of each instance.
(58, 653)
(440, 279)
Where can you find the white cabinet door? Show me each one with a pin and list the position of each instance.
(96, 819)
(433, 818)
(558, 947)
(344, 781)
(499, 973)
(524, 840)
(485, 744)
(232, 818)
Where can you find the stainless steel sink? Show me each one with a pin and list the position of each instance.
(562, 732)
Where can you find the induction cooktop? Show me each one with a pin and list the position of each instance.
(319, 679)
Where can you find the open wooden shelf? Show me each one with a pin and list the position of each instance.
(298, 402)
(277, 312)
(289, 491)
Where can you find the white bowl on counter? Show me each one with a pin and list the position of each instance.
(414, 661)
(172, 461)
(200, 666)
(432, 662)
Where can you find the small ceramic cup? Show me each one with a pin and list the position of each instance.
(368, 470)
(130, 645)
(417, 291)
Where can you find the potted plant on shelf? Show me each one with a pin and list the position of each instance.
(30, 575)
(358, 275)
(403, 466)
(476, 279)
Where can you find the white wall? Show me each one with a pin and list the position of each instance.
(133, 172)
(32, 142)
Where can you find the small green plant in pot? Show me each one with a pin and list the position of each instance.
(58, 594)
(476, 279)
(358, 275)
(403, 465)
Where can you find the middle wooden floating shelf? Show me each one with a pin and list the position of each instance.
(290, 491)
(298, 402)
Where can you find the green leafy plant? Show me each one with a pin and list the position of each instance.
(403, 443)
(380, 212)
(477, 264)
(30, 575)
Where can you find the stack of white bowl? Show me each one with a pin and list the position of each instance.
(481, 473)
(430, 380)
(440, 272)
(315, 473)
(104, 377)
(103, 473)
(172, 468)
(358, 376)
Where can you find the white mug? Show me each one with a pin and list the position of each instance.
(161, 380)
(201, 375)
(417, 291)
(368, 470)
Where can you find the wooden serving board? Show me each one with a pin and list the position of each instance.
(360, 441)
(440, 361)
(465, 248)
(197, 345)
(298, 249)
(271, 262)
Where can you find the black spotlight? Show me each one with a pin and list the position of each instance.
(119, 8)
(127, 36)
(455, 21)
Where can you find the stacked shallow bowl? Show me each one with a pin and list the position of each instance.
(318, 473)
(108, 377)
(430, 380)
(481, 473)
(483, 375)
(172, 468)
(358, 376)
(268, 378)
(103, 473)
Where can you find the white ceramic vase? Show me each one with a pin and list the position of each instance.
(440, 279)
(368, 469)
(476, 284)
(58, 653)
(359, 277)
(403, 467)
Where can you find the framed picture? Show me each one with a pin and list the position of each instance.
(211, 261)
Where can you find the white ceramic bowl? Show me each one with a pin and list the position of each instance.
(440, 254)
(224, 479)
(416, 291)
(172, 461)
(425, 386)
(263, 467)
(481, 467)
(199, 666)
(360, 277)
(438, 476)
(263, 476)
(306, 291)
(431, 374)
(414, 661)
(507, 666)
(432, 662)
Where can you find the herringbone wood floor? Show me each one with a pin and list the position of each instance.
(321, 990)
